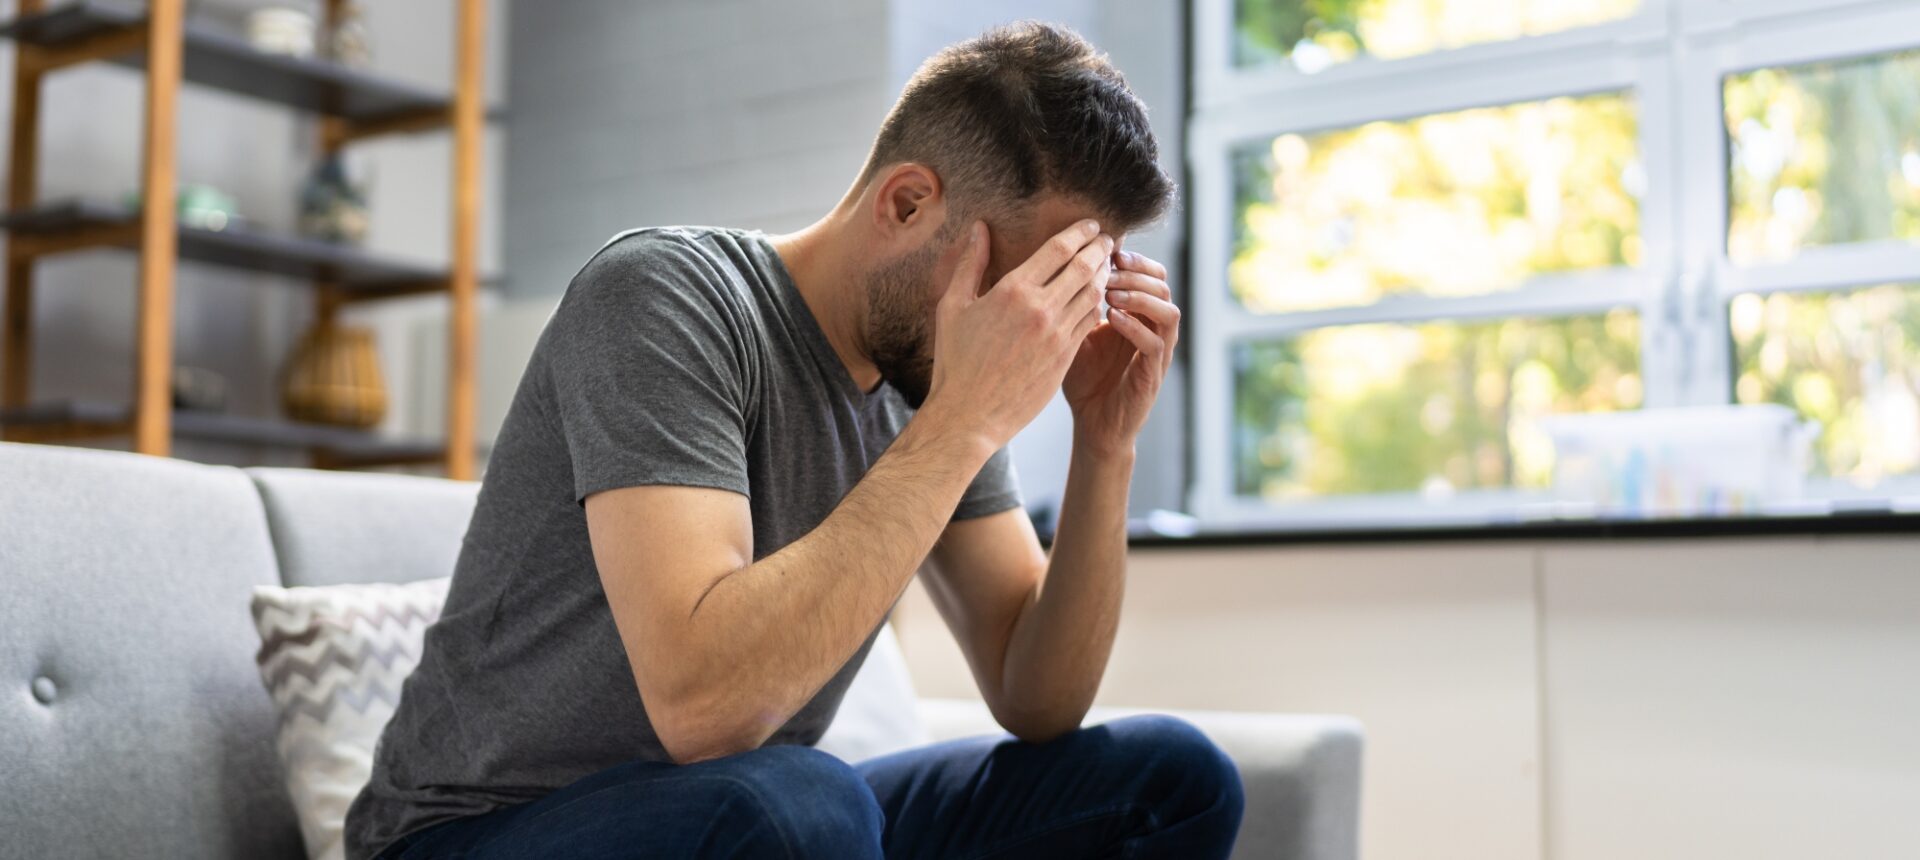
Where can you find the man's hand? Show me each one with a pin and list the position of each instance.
(1000, 356)
(1117, 374)
(1037, 627)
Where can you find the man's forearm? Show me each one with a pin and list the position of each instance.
(1058, 649)
(766, 637)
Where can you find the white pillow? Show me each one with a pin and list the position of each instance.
(878, 715)
(333, 659)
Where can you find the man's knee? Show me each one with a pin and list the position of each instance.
(1184, 769)
(798, 799)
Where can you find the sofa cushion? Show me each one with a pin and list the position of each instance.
(133, 721)
(331, 528)
(334, 658)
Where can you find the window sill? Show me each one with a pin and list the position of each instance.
(1863, 521)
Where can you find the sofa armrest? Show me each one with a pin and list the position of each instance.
(1301, 772)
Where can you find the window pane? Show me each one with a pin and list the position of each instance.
(1850, 360)
(1311, 35)
(1432, 407)
(1450, 204)
(1823, 154)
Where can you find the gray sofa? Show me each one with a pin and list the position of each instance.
(133, 723)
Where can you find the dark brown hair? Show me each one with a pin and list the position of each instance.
(1024, 109)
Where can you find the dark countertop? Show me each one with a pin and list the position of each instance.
(1869, 522)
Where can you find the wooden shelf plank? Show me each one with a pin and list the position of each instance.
(357, 273)
(343, 445)
(227, 62)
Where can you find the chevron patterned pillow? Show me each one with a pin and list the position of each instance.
(333, 659)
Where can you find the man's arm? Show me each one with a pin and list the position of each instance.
(725, 649)
(1037, 630)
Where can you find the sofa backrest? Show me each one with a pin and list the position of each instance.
(133, 723)
(336, 527)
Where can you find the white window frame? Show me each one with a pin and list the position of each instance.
(1670, 57)
(1724, 37)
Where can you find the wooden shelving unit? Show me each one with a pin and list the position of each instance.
(351, 104)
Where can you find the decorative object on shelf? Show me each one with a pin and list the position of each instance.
(206, 207)
(199, 389)
(334, 377)
(200, 206)
(333, 208)
(347, 41)
(281, 30)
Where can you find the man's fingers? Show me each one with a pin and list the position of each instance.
(1134, 262)
(1088, 321)
(1124, 279)
(1085, 299)
(1041, 267)
(1172, 338)
(1087, 267)
(1158, 313)
(1143, 339)
(965, 286)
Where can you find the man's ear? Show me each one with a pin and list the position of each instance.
(911, 199)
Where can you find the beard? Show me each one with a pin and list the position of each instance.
(898, 332)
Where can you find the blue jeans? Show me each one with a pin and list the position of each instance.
(1148, 786)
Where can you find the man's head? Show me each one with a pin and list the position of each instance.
(1026, 127)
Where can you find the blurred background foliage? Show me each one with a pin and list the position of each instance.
(1314, 34)
(1431, 407)
(1850, 360)
(1822, 154)
(1447, 204)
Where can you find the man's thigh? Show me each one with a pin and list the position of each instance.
(773, 801)
(1144, 786)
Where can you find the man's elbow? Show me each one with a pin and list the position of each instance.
(695, 749)
(1037, 726)
(694, 730)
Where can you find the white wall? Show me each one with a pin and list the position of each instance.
(1710, 698)
(1755, 699)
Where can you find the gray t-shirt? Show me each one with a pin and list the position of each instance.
(678, 355)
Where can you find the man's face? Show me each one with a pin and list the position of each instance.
(902, 293)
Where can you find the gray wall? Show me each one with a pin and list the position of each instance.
(237, 324)
(747, 113)
(756, 113)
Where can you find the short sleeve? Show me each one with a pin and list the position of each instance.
(647, 371)
(996, 488)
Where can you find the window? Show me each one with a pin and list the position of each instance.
(1386, 408)
(1421, 225)
(1311, 35)
(1848, 359)
(1822, 154)
(1447, 204)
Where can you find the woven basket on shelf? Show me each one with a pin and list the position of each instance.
(333, 377)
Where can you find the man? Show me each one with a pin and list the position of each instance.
(729, 455)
